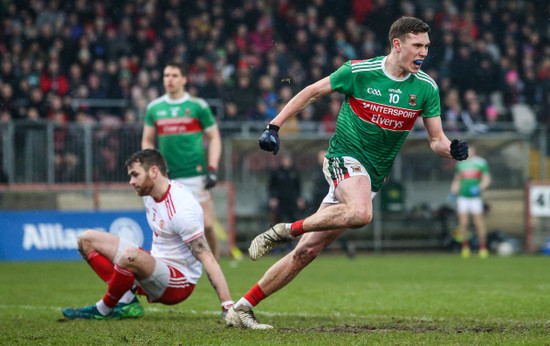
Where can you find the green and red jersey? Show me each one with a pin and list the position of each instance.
(180, 125)
(471, 171)
(378, 113)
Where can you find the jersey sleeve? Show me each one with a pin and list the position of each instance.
(341, 80)
(206, 118)
(188, 220)
(432, 105)
(188, 224)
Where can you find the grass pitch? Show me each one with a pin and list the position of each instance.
(404, 299)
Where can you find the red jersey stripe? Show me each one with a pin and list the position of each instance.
(385, 117)
(177, 126)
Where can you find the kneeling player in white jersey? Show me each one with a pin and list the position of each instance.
(168, 273)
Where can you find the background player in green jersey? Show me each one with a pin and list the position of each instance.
(471, 179)
(180, 121)
(383, 98)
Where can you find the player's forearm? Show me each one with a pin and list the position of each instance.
(214, 152)
(217, 279)
(200, 249)
(148, 137)
(147, 144)
(455, 185)
(439, 142)
(304, 98)
(293, 107)
(485, 182)
(441, 146)
(214, 146)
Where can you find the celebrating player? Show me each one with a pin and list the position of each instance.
(168, 273)
(181, 120)
(471, 179)
(383, 98)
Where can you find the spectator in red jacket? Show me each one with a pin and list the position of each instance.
(53, 80)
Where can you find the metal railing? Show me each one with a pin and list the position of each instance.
(52, 154)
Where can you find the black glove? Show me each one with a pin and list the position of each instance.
(459, 149)
(269, 140)
(211, 178)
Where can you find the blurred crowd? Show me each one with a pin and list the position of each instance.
(60, 61)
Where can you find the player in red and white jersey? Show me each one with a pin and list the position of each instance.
(173, 230)
(169, 273)
(383, 98)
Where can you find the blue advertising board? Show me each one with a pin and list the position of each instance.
(53, 235)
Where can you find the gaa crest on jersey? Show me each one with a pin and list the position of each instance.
(412, 100)
(174, 111)
(356, 169)
(161, 224)
(187, 111)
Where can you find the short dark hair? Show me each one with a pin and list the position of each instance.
(179, 65)
(407, 25)
(148, 158)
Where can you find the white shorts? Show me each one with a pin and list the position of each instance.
(166, 285)
(156, 284)
(339, 168)
(469, 205)
(196, 185)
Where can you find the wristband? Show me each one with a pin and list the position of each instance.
(226, 303)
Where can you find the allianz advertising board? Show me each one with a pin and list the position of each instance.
(53, 235)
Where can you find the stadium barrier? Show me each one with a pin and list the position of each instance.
(51, 158)
(43, 221)
(52, 235)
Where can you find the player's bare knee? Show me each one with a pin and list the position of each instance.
(358, 218)
(85, 242)
(304, 255)
(127, 257)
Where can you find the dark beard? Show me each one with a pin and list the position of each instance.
(145, 188)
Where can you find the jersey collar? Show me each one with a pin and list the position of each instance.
(165, 194)
(389, 75)
(184, 98)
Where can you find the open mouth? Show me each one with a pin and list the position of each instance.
(418, 63)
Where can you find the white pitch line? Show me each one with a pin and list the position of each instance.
(194, 312)
(285, 314)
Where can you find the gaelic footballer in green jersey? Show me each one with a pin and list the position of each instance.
(383, 98)
(378, 113)
(180, 125)
(471, 171)
(471, 178)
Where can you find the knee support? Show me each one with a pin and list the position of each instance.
(156, 284)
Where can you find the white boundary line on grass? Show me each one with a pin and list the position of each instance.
(194, 312)
(209, 313)
(284, 314)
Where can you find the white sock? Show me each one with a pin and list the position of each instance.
(102, 308)
(127, 297)
(243, 302)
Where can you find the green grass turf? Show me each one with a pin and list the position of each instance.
(404, 299)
